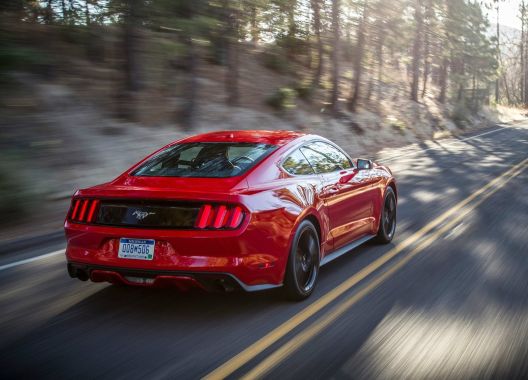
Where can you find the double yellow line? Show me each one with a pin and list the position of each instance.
(459, 211)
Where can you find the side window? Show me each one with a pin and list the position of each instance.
(297, 164)
(331, 153)
(320, 162)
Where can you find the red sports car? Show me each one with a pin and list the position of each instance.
(230, 210)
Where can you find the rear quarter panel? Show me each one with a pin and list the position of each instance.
(278, 202)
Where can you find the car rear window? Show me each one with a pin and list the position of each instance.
(205, 159)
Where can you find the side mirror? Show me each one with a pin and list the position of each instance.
(363, 164)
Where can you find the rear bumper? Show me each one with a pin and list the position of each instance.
(249, 258)
(211, 282)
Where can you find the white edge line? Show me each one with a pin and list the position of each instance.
(435, 147)
(31, 259)
(485, 133)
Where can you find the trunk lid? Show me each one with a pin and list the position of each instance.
(170, 188)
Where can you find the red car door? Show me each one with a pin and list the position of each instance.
(348, 193)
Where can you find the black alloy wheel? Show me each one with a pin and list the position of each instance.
(387, 226)
(303, 264)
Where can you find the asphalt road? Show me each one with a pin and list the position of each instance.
(447, 301)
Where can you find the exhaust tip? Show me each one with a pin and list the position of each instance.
(79, 273)
(224, 285)
(82, 275)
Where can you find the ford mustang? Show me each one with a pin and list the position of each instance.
(229, 210)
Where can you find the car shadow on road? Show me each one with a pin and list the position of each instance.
(143, 328)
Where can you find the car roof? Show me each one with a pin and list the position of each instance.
(278, 138)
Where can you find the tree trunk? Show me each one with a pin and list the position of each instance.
(525, 68)
(460, 92)
(189, 110)
(498, 53)
(474, 94)
(417, 47)
(316, 81)
(335, 56)
(255, 32)
(48, 15)
(309, 46)
(381, 41)
(131, 38)
(131, 67)
(232, 57)
(309, 63)
(292, 25)
(86, 13)
(434, 70)
(427, 36)
(348, 36)
(64, 13)
(507, 90)
(72, 13)
(369, 87)
(443, 80)
(358, 60)
(524, 63)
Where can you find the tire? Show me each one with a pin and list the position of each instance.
(303, 263)
(387, 226)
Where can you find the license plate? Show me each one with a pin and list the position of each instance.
(139, 249)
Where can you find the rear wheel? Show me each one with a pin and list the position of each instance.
(303, 263)
(387, 226)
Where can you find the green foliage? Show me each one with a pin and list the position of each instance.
(282, 99)
(77, 36)
(470, 50)
(304, 90)
(14, 201)
(396, 124)
(455, 32)
(293, 46)
(17, 58)
(275, 59)
(172, 48)
(460, 115)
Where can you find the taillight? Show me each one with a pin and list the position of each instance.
(236, 217)
(93, 207)
(84, 210)
(219, 217)
(204, 216)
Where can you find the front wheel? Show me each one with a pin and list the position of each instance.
(387, 225)
(303, 263)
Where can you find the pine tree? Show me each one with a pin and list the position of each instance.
(335, 55)
(358, 58)
(417, 49)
